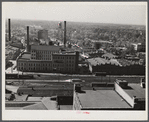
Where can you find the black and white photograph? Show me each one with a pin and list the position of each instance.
(74, 61)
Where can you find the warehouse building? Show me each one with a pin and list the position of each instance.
(108, 96)
(44, 58)
(96, 63)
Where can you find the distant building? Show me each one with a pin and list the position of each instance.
(42, 34)
(17, 45)
(11, 52)
(100, 43)
(140, 47)
(109, 56)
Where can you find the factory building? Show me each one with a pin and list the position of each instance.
(43, 52)
(26, 64)
(109, 96)
(66, 62)
(47, 59)
(40, 59)
(114, 67)
(119, 95)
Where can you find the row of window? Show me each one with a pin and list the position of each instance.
(33, 64)
(45, 52)
(70, 61)
(60, 57)
(34, 68)
(44, 64)
(43, 68)
(49, 58)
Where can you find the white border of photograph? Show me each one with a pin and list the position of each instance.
(70, 115)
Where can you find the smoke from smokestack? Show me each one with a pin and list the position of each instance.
(27, 38)
(64, 33)
(9, 29)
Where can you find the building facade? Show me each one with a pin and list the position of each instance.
(44, 53)
(65, 62)
(48, 59)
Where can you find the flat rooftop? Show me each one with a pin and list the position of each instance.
(38, 106)
(101, 99)
(45, 47)
(25, 56)
(63, 54)
(135, 90)
(102, 61)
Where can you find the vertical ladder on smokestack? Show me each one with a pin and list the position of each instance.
(9, 29)
(64, 33)
(27, 38)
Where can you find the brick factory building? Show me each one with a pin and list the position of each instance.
(44, 58)
(44, 53)
(66, 62)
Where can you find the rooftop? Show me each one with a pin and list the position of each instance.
(65, 53)
(26, 56)
(102, 61)
(109, 55)
(11, 48)
(12, 88)
(66, 107)
(101, 99)
(36, 106)
(135, 90)
(45, 47)
(101, 41)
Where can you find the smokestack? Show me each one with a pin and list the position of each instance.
(9, 29)
(64, 33)
(27, 38)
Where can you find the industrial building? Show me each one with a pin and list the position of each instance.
(26, 64)
(95, 63)
(43, 52)
(65, 62)
(108, 96)
(47, 58)
(59, 62)
(115, 66)
(119, 95)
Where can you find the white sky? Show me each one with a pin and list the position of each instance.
(100, 12)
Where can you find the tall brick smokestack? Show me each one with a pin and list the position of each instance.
(27, 38)
(64, 33)
(9, 29)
